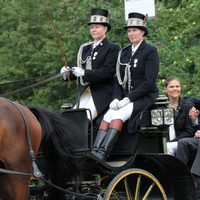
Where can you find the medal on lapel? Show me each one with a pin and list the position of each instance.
(94, 55)
(88, 63)
(135, 62)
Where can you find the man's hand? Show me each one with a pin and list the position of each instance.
(197, 134)
(193, 114)
(77, 71)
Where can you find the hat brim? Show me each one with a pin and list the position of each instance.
(104, 24)
(139, 27)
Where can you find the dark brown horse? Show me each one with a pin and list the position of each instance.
(46, 130)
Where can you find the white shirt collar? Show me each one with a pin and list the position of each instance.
(96, 43)
(134, 48)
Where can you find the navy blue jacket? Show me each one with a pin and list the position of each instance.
(144, 72)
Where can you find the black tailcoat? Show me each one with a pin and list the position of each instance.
(144, 71)
(101, 77)
(182, 122)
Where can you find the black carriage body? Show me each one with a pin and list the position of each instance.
(139, 156)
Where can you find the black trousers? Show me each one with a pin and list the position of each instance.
(186, 147)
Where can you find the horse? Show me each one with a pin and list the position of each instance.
(47, 131)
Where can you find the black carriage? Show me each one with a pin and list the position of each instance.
(138, 167)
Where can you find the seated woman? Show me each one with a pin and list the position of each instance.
(135, 88)
(95, 67)
(182, 124)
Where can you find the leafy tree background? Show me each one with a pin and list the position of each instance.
(29, 50)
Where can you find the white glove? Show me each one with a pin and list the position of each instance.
(123, 102)
(113, 104)
(65, 70)
(77, 71)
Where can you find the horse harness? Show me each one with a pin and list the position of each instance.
(36, 171)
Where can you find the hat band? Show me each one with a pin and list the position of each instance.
(135, 22)
(98, 19)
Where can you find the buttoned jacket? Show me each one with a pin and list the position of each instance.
(144, 71)
(100, 78)
(143, 74)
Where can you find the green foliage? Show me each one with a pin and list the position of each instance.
(30, 48)
(177, 38)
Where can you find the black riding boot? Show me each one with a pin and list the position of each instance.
(107, 144)
(110, 139)
(101, 134)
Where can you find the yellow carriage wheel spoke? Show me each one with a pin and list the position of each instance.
(136, 175)
(128, 193)
(137, 190)
(148, 191)
(116, 196)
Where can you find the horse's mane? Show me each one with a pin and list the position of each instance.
(57, 137)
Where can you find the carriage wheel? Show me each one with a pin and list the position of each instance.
(135, 184)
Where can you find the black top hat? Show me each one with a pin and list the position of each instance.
(137, 20)
(100, 16)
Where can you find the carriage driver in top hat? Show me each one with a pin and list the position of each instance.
(95, 67)
(135, 88)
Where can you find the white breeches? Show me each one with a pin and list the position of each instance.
(86, 101)
(124, 113)
(171, 148)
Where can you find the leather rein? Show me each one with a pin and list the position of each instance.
(34, 85)
(36, 171)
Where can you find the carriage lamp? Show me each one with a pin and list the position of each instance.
(157, 117)
(168, 116)
(162, 116)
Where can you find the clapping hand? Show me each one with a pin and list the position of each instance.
(197, 134)
(193, 113)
